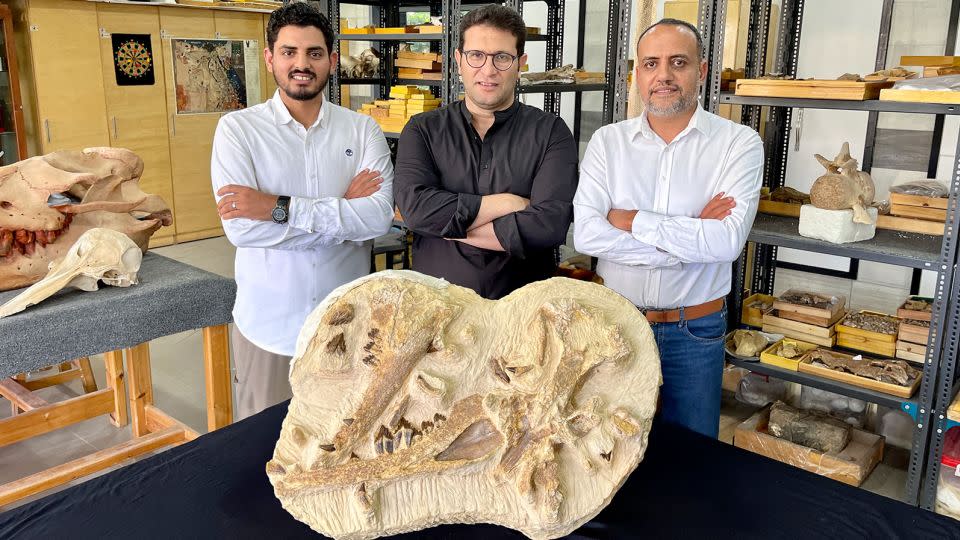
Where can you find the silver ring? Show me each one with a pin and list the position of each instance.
(234, 205)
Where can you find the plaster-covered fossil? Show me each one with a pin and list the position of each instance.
(418, 403)
(98, 255)
(47, 202)
(843, 186)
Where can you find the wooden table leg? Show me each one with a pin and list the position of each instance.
(86, 375)
(140, 387)
(113, 362)
(216, 361)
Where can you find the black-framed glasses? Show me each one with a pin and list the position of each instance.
(501, 60)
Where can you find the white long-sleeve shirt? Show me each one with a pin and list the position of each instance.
(284, 271)
(671, 258)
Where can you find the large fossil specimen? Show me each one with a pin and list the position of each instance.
(886, 371)
(843, 186)
(47, 202)
(418, 403)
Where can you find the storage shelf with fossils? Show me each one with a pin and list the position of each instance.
(928, 405)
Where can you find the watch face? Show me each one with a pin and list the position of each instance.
(279, 215)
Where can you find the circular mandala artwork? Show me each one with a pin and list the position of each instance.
(133, 59)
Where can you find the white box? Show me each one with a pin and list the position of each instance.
(836, 226)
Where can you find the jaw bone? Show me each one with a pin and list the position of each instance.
(418, 403)
(98, 255)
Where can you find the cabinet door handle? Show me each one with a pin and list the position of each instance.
(173, 123)
(46, 126)
(116, 134)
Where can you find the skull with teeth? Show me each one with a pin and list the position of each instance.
(47, 202)
(418, 403)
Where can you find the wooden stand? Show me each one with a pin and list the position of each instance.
(152, 428)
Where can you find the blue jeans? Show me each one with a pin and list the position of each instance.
(691, 359)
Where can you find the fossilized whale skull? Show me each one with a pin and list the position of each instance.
(418, 403)
(47, 202)
(98, 255)
(843, 186)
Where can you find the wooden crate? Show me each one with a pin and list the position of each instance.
(919, 212)
(812, 315)
(852, 465)
(806, 366)
(800, 331)
(864, 340)
(920, 96)
(812, 89)
(777, 208)
(915, 315)
(768, 356)
(930, 60)
(919, 200)
(905, 224)
(911, 351)
(914, 333)
(754, 316)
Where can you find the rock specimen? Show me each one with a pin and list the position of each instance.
(98, 255)
(788, 350)
(418, 403)
(749, 342)
(843, 186)
(886, 371)
(47, 202)
(808, 428)
(881, 324)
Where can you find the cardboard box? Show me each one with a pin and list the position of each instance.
(851, 466)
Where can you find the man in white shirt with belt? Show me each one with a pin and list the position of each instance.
(665, 202)
(303, 185)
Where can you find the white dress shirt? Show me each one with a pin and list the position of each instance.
(284, 271)
(672, 258)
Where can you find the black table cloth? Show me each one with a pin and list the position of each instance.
(688, 486)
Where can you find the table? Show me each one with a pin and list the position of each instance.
(688, 486)
(171, 297)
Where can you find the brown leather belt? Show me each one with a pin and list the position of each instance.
(689, 313)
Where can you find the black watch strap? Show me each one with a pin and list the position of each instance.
(281, 213)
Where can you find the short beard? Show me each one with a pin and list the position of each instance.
(305, 94)
(682, 104)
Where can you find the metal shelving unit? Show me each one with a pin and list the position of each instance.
(938, 254)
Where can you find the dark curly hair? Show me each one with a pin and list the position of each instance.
(299, 14)
(499, 17)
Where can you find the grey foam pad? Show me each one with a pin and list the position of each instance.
(171, 297)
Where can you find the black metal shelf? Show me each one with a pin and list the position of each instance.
(573, 87)
(419, 82)
(912, 250)
(538, 37)
(390, 37)
(830, 385)
(729, 98)
(361, 80)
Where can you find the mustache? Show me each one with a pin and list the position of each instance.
(665, 87)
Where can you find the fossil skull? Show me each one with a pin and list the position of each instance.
(98, 255)
(418, 403)
(843, 186)
(47, 202)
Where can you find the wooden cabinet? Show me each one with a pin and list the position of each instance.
(72, 99)
(13, 141)
(63, 45)
(137, 115)
(191, 135)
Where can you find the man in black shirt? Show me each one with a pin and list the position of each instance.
(486, 183)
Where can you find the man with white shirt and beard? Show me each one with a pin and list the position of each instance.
(665, 202)
(303, 186)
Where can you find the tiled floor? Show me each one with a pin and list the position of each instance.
(179, 390)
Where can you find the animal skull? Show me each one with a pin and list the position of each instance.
(99, 255)
(47, 202)
(418, 403)
(843, 186)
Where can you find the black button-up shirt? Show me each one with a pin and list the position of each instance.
(443, 170)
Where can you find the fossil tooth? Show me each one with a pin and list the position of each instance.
(6, 242)
(24, 236)
(478, 440)
(274, 467)
(426, 426)
(347, 421)
(337, 345)
(438, 419)
(607, 455)
(518, 370)
(373, 333)
(327, 447)
(380, 441)
(369, 360)
(498, 371)
(369, 346)
(342, 314)
(430, 384)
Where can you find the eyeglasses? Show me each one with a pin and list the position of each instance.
(501, 60)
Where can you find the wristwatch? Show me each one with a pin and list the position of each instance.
(281, 212)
